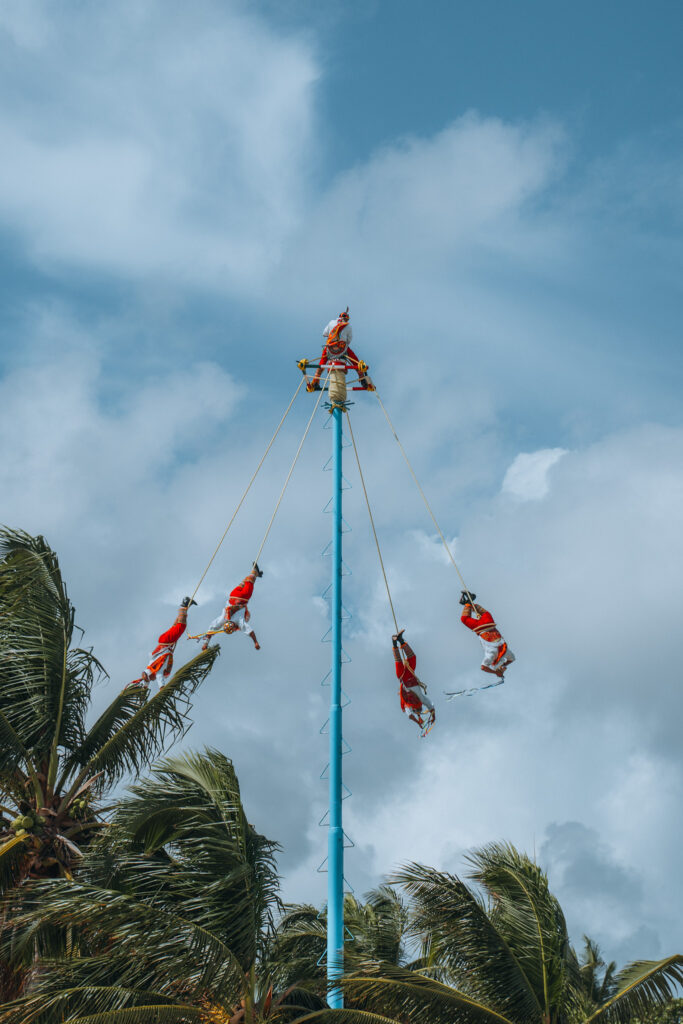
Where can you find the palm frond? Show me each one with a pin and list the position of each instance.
(403, 994)
(13, 754)
(144, 945)
(159, 1013)
(224, 873)
(46, 1009)
(375, 928)
(531, 921)
(386, 924)
(113, 718)
(296, 952)
(163, 718)
(45, 691)
(463, 940)
(640, 987)
(13, 853)
(597, 977)
(345, 1016)
(162, 1014)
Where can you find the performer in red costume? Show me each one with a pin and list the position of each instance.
(162, 655)
(412, 691)
(338, 356)
(236, 614)
(497, 654)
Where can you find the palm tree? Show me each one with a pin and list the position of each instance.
(170, 916)
(376, 929)
(54, 769)
(597, 977)
(499, 954)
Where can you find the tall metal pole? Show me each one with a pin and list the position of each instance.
(335, 850)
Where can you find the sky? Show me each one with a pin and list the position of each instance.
(188, 193)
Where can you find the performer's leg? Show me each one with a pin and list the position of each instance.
(491, 655)
(409, 655)
(426, 701)
(314, 385)
(217, 624)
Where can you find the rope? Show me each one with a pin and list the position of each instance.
(424, 498)
(241, 501)
(291, 468)
(372, 521)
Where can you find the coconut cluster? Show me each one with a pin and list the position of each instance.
(26, 823)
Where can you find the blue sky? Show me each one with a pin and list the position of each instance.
(187, 196)
(610, 70)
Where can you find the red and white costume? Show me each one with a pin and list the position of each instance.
(338, 357)
(162, 655)
(412, 692)
(497, 654)
(236, 615)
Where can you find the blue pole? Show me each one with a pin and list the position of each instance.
(335, 849)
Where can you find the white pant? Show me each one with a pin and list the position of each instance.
(241, 618)
(491, 650)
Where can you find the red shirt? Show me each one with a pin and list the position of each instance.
(484, 626)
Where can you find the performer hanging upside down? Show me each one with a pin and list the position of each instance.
(162, 655)
(497, 654)
(338, 356)
(236, 614)
(412, 691)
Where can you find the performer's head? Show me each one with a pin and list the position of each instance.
(344, 316)
(466, 597)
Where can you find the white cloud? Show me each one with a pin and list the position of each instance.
(155, 140)
(405, 217)
(527, 477)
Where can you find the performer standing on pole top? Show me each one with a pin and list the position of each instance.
(162, 655)
(236, 614)
(339, 356)
(412, 691)
(497, 654)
